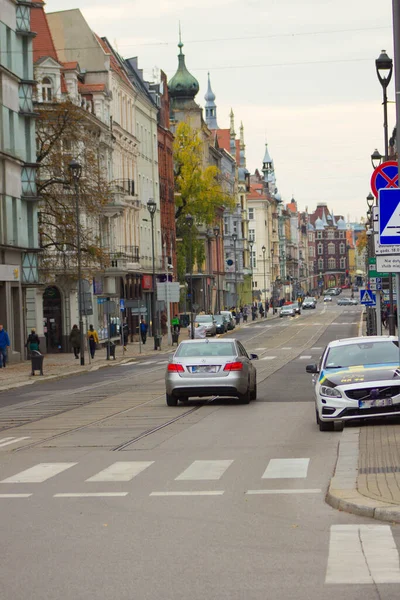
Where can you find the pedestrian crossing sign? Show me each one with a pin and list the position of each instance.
(389, 216)
(367, 297)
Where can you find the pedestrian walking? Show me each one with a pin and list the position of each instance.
(143, 327)
(75, 340)
(163, 319)
(125, 334)
(4, 345)
(33, 341)
(93, 340)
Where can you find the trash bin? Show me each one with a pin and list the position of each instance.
(158, 340)
(175, 337)
(37, 362)
(112, 350)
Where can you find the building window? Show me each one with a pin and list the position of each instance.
(341, 234)
(226, 230)
(320, 263)
(331, 248)
(11, 130)
(253, 260)
(331, 234)
(251, 214)
(8, 48)
(342, 248)
(47, 90)
(342, 263)
(320, 248)
(252, 235)
(331, 263)
(319, 235)
(234, 226)
(310, 237)
(255, 284)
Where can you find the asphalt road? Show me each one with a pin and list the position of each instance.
(113, 495)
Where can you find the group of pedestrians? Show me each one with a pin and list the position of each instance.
(75, 340)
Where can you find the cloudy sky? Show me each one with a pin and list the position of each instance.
(299, 75)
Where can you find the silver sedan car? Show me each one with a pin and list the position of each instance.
(211, 368)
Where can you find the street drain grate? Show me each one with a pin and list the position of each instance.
(376, 470)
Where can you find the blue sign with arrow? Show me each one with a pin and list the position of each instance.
(389, 216)
(367, 297)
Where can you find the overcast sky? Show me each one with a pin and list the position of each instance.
(298, 74)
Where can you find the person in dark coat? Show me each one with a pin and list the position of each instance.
(75, 340)
(125, 334)
(33, 341)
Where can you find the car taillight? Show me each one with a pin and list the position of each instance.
(233, 366)
(174, 368)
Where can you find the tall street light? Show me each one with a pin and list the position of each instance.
(376, 158)
(234, 238)
(216, 233)
(189, 223)
(265, 281)
(272, 279)
(384, 71)
(152, 207)
(76, 171)
(251, 244)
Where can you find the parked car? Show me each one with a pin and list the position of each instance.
(287, 310)
(347, 302)
(229, 318)
(309, 302)
(211, 368)
(221, 323)
(357, 378)
(328, 298)
(207, 321)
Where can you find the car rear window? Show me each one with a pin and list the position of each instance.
(206, 349)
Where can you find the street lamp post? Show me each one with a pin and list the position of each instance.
(265, 280)
(76, 171)
(384, 71)
(152, 207)
(216, 233)
(251, 244)
(234, 238)
(272, 279)
(189, 222)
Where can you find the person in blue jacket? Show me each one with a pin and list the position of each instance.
(4, 344)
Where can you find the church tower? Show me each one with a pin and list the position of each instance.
(211, 107)
(183, 87)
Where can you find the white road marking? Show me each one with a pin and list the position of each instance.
(162, 362)
(15, 495)
(317, 348)
(39, 473)
(362, 554)
(146, 362)
(312, 324)
(91, 495)
(286, 348)
(121, 471)
(200, 493)
(299, 491)
(204, 470)
(11, 440)
(305, 356)
(268, 357)
(259, 349)
(286, 468)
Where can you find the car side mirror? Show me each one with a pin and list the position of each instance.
(312, 368)
(253, 356)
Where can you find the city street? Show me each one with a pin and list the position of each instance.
(105, 492)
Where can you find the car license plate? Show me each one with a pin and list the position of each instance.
(375, 403)
(204, 369)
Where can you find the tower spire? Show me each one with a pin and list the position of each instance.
(242, 147)
(211, 107)
(232, 134)
(180, 45)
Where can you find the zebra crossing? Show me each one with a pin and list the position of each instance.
(7, 441)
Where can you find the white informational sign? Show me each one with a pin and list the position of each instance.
(390, 264)
(170, 295)
(9, 273)
(382, 250)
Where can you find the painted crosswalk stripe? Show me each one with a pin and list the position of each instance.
(8, 441)
(204, 470)
(91, 495)
(39, 473)
(316, 348)
(272, 492)
(268, 357)
(199, 493)
(146, 362)
(162, 362)
(121, 471)
(15, 495)
(284, 348)
(286, 468)
(362, 554)
(259, 349)
(305, 356)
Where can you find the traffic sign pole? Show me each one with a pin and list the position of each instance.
(396, 40)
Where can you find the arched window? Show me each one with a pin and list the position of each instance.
(331, 263)
(320, 249)
(320, 263)
(342, 263)
(47, 90)
(331, 248)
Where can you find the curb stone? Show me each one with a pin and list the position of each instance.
(343, 494)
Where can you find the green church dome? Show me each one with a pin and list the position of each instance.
(183, 84)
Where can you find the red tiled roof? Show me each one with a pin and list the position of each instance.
(254, 193)
(115, 66)
(70, 66)
(89, 88)
(292, 207)
(223, 138)
(43, 43)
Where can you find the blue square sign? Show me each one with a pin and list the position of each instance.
(367, 297)
(389, 216)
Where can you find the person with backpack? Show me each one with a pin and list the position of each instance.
(93, 340)
(33, 341)
(75, 340)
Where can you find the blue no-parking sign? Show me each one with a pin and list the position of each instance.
(389, 216)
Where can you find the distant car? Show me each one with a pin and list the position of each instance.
(347, 302)
(229, 318)
(221, 323)
(219, 367)
(328, 298)
(357, 378)
(332, 292)
(287, 310)
(207, 321)
(309, 302)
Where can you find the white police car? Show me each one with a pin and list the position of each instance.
(357, 378)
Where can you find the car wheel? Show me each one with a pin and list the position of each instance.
(245, 398)
(323, 426)
(171, 400)
(338, 425)
(280, 316)
(253, 395)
